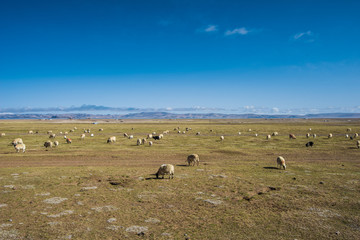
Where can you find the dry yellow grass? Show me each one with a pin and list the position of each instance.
(235, 193)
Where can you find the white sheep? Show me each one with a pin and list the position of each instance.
(100, 130)
(281, 162)
(161, 136)
(144, 141)
(82, 136)
(348, 130)
(56, 143)
(2, 134)
(268, 137)
(222, 138)
(126, 135)
(139, 142)
(358, 143)
(111, 139)
(149, 136)
(65, 133)
(53, 135)
(275, 134)
(346, 135)
(131, 136)
(356, 135)
(49, 132)
(194, 159)
(166, 169)
(60, 133)
(307, 135)
(154, 133)
(72, 130)
(17, 141)
(48, 144)
(31, 132)
(330, 135)
(92, 135)
(256, 134)
(75, 128)
(198, 133)
(314, 135)
(150, 143)
(239, 133)
(19, 147)
(249, 130)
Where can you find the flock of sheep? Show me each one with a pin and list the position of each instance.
(164, 169)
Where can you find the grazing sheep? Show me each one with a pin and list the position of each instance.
(222, 138)
(150, 143)
(314, 135)
(249, 130)
(53, 135)
(307, 135)
(175, 129)
(309, 144)
(275, 134)
(281, 162)
(17, 141)
(72, 130)
(60, 133)
(56, 143)
(65, 133)
(154, 133)
(179, 131)
(144, 141)
(91, 135)
(48, 144)
(268, 137)
(75, 128)
(82, 136)
(49, 132)
(183, 132)
(156, 137)
(166, 169)
(211, 130)
(161, 136)
(31, 132)
(292, 136)
(348, 130)
(356, 135)
(309, 129)
(88, 130)
(239, 133)
(68, 140)
(346, 135)
(3, 134)
(126, 135)
(111, 139)
(256, 134)
(198, 133)
(351, 138)
(149, 136)
(358, 143)
(194, 159)
(100, 130)
(139, 142)
(330, 135)
(131, 136)
(166, 132)
(19, 147)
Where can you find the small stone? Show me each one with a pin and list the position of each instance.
(137, 229)
(54, 200)
(152, 220)
(111, 220)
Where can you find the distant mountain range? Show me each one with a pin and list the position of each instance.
(167, 115)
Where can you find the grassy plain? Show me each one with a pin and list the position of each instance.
(104, 190)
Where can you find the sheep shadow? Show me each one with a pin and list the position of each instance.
(182, 165)
(271, 168)
(153, 178)
(353, 148)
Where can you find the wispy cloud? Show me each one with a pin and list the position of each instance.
(211, 28)
(307, 36)
(238, 31)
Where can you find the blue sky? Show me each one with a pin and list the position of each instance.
(276, 55)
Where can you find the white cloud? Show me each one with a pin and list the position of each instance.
(240, 31)
(302, 35)
(211, 28)
(275, 109)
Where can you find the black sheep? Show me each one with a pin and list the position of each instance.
(309, 144)
(156, 137)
